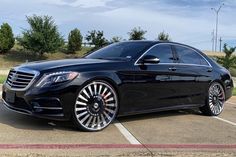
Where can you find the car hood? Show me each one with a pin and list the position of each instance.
(47, 65)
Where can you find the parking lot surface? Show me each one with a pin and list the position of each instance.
(172, 133)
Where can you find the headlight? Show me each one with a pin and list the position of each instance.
(55, 78)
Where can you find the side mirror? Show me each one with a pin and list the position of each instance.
(150, 59)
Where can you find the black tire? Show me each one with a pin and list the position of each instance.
(214, 101)
(96, 106)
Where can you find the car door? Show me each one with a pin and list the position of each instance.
(192, 75)
(153, 82)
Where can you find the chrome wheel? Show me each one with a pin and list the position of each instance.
(96, 106)
(216, 98)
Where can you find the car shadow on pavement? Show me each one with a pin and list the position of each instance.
(20, 121)
(160, 114)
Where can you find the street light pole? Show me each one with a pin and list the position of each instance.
(213, 40)
(217, 21)
(220, 43)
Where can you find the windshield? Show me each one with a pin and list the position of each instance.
(123, 50)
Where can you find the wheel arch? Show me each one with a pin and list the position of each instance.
(111, 79)
(108, 80)
(218, 81)
(211, 82)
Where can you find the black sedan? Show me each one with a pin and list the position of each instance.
(121, 79)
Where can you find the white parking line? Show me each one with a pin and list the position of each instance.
(126, 133)
(226, 121)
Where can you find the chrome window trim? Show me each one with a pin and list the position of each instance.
(209, 65)
(198, 65)
(36, 73)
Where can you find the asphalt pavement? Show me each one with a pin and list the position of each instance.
(172, 133)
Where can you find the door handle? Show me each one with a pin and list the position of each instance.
(209, 70)
(172, 69)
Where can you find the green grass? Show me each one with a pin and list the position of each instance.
(2, 78)
(234, 92)
(18, 56)
(233, 72)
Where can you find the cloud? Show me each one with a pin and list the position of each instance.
(191, 23)
(77, 3)
(186, 21)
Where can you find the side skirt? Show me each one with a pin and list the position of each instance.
(192, 106)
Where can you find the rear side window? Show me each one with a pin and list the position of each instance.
(189, 56)
(163, 52)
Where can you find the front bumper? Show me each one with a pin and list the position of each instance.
(51, 103)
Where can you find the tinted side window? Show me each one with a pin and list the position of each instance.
(163, 52)
(189, 56)
(121, 50)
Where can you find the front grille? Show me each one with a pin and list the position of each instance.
(20, 79)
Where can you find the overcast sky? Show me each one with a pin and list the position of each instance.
(187, 21)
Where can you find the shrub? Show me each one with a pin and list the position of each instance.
(43, 35)
(74, 40)
(7, 39)
(137, 34)
(116, 39)
(229, 60)
(163, 36)
(96, 38)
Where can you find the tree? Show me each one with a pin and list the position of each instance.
(74, 40)
(137, 34)
(163, 36)
(96, 38)
(7, 39)
(229, 60)
(116, 39)
(43, 35)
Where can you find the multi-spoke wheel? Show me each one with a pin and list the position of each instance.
(215, 101)
(96, 106)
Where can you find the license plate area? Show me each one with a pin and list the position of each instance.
(10, 96)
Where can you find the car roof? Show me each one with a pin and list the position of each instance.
(158, 41)
(154, 42)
